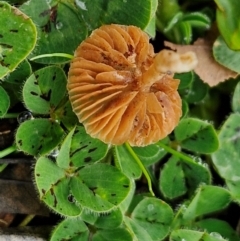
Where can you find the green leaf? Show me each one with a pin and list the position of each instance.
(185, 109)
(226, 56)
(80, 149)
(190, 235)
(5, 102)
(20, 74)
(196, 91)
(124, 206)
(227, 158)
(60, 199)
(38, 136)
(196, 173)
(98, 12)
(126, 163)
(85, 149)
(100, 187)
(60, 28)
(177, 25)
(44, 181)
(236, 99)
(234, 187)
(165, 12)
(151, 27)
(227, 21)
(137, 231)
(16, 1)
(63, 24)
(180, 28)
(44, 90)
(17, 37)
(185, 79)
(110, 220)
(13, 91)
(208, 199)
(65, 114)
(118, 234)
(218, 226)
(180, 176)
(197, 19)
(186, 235)
(196, 135)
(172, 181)
(150, 154)
(183, 33)
(63, 158)
(13, 82)
(71, 229)
(53, 187)
(155, 216)
(172, 23)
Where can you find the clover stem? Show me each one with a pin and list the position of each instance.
(180, 155)
(10, 115)
(143, 168)
(3, 166)
(26, 220)
(4, 153)
(64, 55)
(8, 151)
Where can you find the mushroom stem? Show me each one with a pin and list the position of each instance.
(168, 61)
(151, 76)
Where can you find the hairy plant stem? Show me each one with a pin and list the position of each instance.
(143, 168)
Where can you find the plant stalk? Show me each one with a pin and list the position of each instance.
(10, 115)
(64, 55)
(143, 168)
(4, 153)
(8, 151)
(180, 155)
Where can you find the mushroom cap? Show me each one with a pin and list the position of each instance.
(117, 90)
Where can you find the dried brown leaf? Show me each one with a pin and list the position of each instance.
(210, 71)
(6, 219)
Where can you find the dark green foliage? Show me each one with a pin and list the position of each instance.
(17, 38)
(227, 15)
(38, 136)
(196, 135)
(5, 102)
(164, 191)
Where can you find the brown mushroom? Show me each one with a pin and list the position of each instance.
(121, 91)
